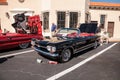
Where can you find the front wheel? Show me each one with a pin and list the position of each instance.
(24, 45)
(66, 55)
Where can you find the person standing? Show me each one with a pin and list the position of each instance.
(53, 29)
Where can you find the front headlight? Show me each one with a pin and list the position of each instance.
(51, 48)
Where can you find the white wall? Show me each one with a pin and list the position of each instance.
(70, 5)
(45, 5)
(15, 6)
(111, 16)
(38, 6)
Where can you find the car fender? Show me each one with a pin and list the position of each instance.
(71, 49)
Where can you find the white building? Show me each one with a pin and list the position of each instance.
(108, 15)
(63, 13)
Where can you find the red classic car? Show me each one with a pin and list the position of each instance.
(10, 40)
(22, 37)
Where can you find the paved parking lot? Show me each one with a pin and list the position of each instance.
(25, 67)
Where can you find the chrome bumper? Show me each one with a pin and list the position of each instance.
(52, 55)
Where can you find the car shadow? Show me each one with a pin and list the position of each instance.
(7, 50)
(2, 60)
(48, 58)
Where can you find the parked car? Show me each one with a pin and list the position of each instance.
(11, 40)
(68, 41)
(24, 33)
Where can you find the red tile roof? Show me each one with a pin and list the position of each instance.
(3, 0)
(104, 4)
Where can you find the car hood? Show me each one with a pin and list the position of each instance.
(54, 41)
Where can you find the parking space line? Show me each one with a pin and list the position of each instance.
(54, 77)
(16, 54)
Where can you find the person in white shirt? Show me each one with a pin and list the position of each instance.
(104, 37)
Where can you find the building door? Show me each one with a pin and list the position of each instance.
(110, 28)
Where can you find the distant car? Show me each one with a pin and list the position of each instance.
(67, 42)
(11, 40)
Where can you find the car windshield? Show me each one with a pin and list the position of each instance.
(68, 31)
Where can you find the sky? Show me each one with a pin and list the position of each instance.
(111, 1)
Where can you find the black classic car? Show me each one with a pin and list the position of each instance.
(68, 41)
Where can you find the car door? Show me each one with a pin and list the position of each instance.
(10, 40)
(4, 42)
(79, 44)
(89, 41)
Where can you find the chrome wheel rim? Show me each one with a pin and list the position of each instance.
(66, 55)
(24, 45)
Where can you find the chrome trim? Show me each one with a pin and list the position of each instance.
(84, 48)
(40, 46)
(46, 53)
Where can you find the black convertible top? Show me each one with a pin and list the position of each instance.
(88, 27)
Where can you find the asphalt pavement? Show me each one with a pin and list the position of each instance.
(24, 66)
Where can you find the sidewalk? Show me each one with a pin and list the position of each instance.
(114, 40)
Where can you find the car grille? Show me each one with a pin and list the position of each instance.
(43, 48)
(40, 46)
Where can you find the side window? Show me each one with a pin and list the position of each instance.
(102, 21)
(46, 20)
(87, 16)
